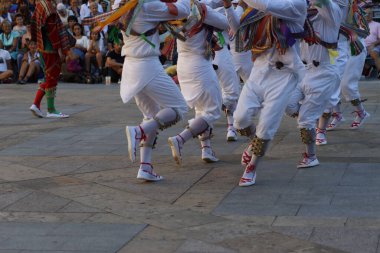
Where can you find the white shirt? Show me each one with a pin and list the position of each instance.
(149, 17)
(326, 24)
(195, 44)
(84, 42)
(293, 14)
(4, 57)
(85, 10)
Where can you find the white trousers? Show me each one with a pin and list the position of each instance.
(243, 64)
(349, 86)
(199, 86)
(340, 62)
(267, 91)
(161, 92)
(227, 77)
(314, 93)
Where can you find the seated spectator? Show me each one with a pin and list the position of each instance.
(10, 40)
(75, 9)
(372, 41)
(19, 28)
(64, 13)
(6, 72)
(32, 5)
(23, 9)
(95, 52)
(4, 13)
(105, 5)
(24, 46)
(117, 3)
(114, 61)
(85, 9)
(93, 13)
(71, 20)
(75, 57)
(31, 67)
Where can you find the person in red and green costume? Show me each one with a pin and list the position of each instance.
(52, 43)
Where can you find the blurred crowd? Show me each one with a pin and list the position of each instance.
(94, 56)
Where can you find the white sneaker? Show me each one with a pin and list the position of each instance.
(231, 135)
(337, 119)
(132, 133)
(321, 137)
(148, 175)
(36, 111)
(308, 162)
(56, 115)
(361, 116)
(249, 176)
(208, 155)
(246, 157)
(176, 149)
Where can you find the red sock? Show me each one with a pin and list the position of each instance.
(39, 95)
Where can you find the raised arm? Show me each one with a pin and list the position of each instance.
(329, 10)
(216, 19)
(159, 11)
(291, 10)
(233, 16)
(212, 3)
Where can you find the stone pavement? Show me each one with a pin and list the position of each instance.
(67, 185)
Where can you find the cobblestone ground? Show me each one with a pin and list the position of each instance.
(67, 185)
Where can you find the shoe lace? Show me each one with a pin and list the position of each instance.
(149, 171)
(336, 115)
(321, 131)
(360, 114)
(305, 158)
(250, 168)
(212, 151)
(246, 157)
(143, 136)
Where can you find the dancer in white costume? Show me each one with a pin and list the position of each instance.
(242, 60)
(349, 70)
(225, 70)
(349, 86)
(144, 78)
(198, 81)
(321, 75)
(275, 75)
(340, 63)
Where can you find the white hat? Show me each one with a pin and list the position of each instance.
(235, 1)
(60, 7)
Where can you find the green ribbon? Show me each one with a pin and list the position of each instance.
(143, 37)
(221, 39)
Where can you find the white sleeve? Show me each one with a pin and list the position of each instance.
(159, 11)
(100, 8)
(212, 3)
(83, 11)
(215, 19)
(285, 9)
(7, 55)
(330, 11)
(233, 19)
(86, 42)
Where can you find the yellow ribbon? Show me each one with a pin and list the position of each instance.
(120, 12)
(333, 53)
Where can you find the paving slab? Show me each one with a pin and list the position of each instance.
(69, 184)
(350, 240)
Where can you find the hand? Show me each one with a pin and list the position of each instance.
(97, 29)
